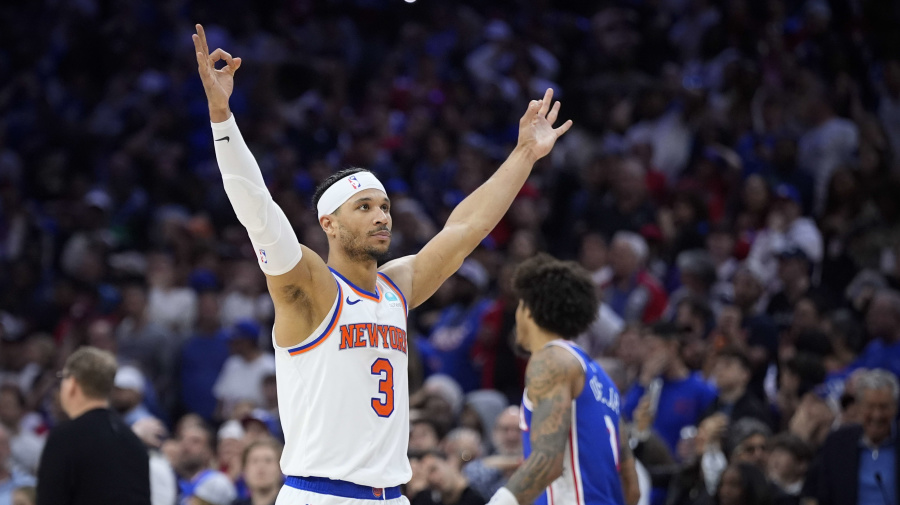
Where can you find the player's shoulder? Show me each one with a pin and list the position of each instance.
(399, 273)
(552, 365)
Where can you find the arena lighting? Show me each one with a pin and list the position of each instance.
(410, 1)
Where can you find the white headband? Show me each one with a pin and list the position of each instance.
(342, 190)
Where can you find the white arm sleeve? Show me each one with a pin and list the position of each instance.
(276, 245)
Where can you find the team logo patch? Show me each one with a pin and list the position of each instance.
(262, 256)
(376, 492)
(354, 182)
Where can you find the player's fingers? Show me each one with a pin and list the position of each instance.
(198, 47)
(564, 128)
(232, 66)
(531, 112)
(554, 111)
(202, 34)
(220, 54)
(545, 102)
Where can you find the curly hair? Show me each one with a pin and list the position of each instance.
(333, 178)
(559, 294)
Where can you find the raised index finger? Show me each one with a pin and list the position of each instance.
(202, 35)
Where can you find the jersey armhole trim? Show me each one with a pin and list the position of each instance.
(568, 347)
(395, 288)
(336, 315)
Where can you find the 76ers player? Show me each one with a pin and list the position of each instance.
(340, 327)
(570, 414)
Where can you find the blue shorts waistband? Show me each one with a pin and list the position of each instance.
(342, 488)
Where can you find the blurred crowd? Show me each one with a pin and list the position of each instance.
(731, 184)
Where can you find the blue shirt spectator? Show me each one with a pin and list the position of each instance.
(681, 403)
(448, 348)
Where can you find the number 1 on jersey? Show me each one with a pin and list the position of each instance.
(385, 407)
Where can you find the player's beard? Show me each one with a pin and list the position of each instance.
(356, 249)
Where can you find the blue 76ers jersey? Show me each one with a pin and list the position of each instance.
(591, 462)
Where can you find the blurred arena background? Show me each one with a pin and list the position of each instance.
(733, 169)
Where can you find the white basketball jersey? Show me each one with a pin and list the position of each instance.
(343, 393)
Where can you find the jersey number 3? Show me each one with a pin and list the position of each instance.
(384, 407)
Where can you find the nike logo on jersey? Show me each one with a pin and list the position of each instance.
(224, 138)
(354, 302)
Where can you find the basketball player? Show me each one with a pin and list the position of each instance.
(340, 327)
(570, 414)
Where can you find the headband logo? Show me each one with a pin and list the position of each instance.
(353, 182)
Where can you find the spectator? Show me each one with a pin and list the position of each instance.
(446, 485)
(141, 340)
(883, 325)
(260, 425)
(786, 230)
(230, 448)
(449, 347)
(786, 467)
(195, 459)
(128, 395)
(25, 495)
(683, 397)
(10, 477)
(747, 441)
(795, 275)
(731, 374)
(95, 457)
(423, 433)
(743, 484)
(243, 373)
(262, 472)
(15, 367)
(202, 358)
(215, 489)
(751, 328)
(24, 429)
(697, 275)
(488, 474)
(626, 207)
(462, 446)
(858, 464)
(163, 484)
(831, 142)
(169, 305)
(633, 293)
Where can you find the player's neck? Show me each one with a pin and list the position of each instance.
(362, 274)
(540, 338)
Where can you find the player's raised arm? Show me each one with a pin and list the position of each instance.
(278, 251)
(475, 217)
(549, 380)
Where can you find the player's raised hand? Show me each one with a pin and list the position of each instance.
(217, 83)
(536, 132)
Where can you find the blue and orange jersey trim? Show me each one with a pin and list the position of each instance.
(328, 329)
(394, 286)
(375, 297)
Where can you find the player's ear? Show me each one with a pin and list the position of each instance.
(524, 311)
(327, 223)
